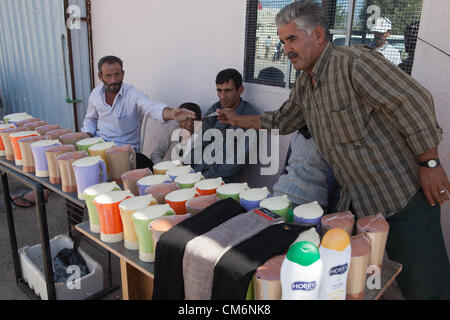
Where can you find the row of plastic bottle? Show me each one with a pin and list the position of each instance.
(312, 273)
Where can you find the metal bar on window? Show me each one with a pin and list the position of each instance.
(348, 33)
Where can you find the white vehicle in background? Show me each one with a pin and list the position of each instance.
(397, 41)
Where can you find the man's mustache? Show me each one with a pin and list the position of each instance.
(113, 86)
(291, 55)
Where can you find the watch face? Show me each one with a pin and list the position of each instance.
(432, 163)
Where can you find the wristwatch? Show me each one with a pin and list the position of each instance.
(432, 163)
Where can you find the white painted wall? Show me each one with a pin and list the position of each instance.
(173, 50)
(432, 69)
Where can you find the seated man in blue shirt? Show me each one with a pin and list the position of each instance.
(116, 109)
(229, 90)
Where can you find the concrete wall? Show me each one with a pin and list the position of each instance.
(432, 69)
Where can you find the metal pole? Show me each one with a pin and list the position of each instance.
(11, 227)
(351, 9)
(91, 50)
(45, 241)
(71, 66)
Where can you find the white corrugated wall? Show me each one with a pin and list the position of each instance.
(32, 72)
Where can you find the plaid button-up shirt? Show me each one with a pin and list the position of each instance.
(369, 120)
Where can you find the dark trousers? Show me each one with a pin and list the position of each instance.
(415, 240)
(143, 162)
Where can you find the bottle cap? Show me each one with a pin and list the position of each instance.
(336, 239)
(303, 253)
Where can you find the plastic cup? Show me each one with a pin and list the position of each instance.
(27, 155)
(177, 199)
(14, 138)
(164, 224)
(310, 213)
(231, 190)
(142, 218)
(159, 191)
(162, 167)
(344, 220)
(23, 123)
(131, 177)
(279, 205)
(9, 151)
(89, 195)
(151, 180)
(200, 203)
(65, 161)
(83, 145)
(266, 280)
(88, 171)
(127, 208)
(55, 134)
(73, 137)
(40, 160)
(188, 180)
(33, 125)
(120, 160)
(2, 146)
(208, 186)
(356, 281)
(111, 227)
(376, 228)
(53, 167)
(99, 149)
(251, 198)
(42, 130)
(179, 171)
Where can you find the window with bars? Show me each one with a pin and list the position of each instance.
(389, 26)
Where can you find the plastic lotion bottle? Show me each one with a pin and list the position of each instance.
(301, 272)
(335, 252)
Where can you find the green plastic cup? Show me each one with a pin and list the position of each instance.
(89, 195)
(83, 145)
(142, 218)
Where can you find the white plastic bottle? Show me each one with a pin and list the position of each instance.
(335, 252)
(301, 272)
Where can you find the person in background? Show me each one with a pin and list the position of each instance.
(376, 127)
(163, 152)
(268, 45)
(304, 178)
(229, 90)
(382, 30)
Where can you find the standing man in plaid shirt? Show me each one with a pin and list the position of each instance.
(376, 127)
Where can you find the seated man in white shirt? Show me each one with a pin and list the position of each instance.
(116, 109)
(382, 30)
(114, 113)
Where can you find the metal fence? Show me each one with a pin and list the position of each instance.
(389, 26)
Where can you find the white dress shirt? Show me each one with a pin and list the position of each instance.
(120, 122)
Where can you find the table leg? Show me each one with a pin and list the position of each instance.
(135, 284)
(11, 227)
(46, 251)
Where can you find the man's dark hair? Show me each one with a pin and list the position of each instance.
(193, 107)
(229, 74)
(109, 60)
